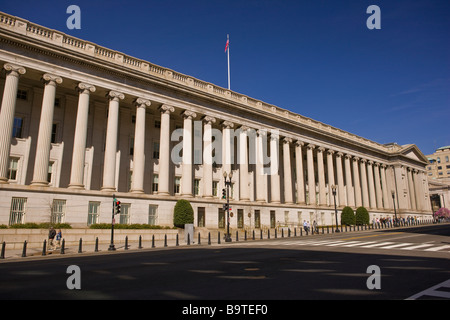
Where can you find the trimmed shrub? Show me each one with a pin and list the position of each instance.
(126, 226)
(362, 216)
(182, 213)
(347, 216)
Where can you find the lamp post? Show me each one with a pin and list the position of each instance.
(228, 184)
(333, 189)
(395, 211)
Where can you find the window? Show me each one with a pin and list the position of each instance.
(50, 172)
(156, 150)
(438, 160)
(93, 212)
(215, 184)
(22, 94)
(446, 158)
(257, 219)
(196, 187)
(176, 185)
(12, 172)
(17, 127)
(54, 132)
(272, 218)
(152, 214)
(155, 183)
(201, 217)
(124, 215)
(58, 211)
(221, 219)
(240, 218)
(17, 213)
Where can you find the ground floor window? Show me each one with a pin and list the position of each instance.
(221, 218)
(240, 218)
(124, 216)
(58, 211)
(17, 213)
(201, 217)
(93, 213)
(152, 214)
(272, 219)
(257, 219)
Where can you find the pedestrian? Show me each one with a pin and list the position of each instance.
(51, 237)
(58, 239)
(305, 226)
(315, 228)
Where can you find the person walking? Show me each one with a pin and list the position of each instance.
(58, 239)
(51, 237)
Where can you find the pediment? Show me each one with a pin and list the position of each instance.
(413, 152)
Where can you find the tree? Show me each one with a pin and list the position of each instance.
(347, 216)
(183, 213)
(362, 216)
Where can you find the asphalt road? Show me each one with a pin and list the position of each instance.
(279, 269)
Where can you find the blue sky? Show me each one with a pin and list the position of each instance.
(316, 58)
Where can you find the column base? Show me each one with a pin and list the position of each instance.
(76, 186)
(39, 183)
(138, 191)
(108, 189)
(4, 181)
(187, 195)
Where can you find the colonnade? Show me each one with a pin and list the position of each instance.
(359, 181)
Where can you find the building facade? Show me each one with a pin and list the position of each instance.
(80, 123)
(439, 166)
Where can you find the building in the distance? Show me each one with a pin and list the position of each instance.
(80, 123)
(438, 171)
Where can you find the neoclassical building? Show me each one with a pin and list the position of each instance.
(80, 123)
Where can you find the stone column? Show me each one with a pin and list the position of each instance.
(109, 163)
(411, 190)
(243, 165)
(7, 112)
(226, 146)
(45, 130)
(342, 201)
(299, 172)
(418, 189)
(79, 141)
(261, 177)
(378, 191)
(348, 182)
(311, 177)
(288, 196)
(331, 182)
(364, 186)
(139, 146)
(207, 157)
(386, 194)
(164, 150)
(372, 197)
(186, 178)
(321, 176)
(356, 182)
(275, 194)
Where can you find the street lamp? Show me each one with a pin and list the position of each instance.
(395, 211)
(333, 189)
(228, 184)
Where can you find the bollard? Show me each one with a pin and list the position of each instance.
(268, 234)
(295, 231)
(176, 243)
(245, 235)
(218, 238)
(80, 246)
(96, 244)
(237, 236)
(275, 233)
(2, 255)
(140, 242)
(253, 234)
(165, 240)
(44, 248)
(63, 243)
(126, 242)
(24, 250)
(260, 231)
(189, 239)
(199, 238)
(153, 241)
(209, 238)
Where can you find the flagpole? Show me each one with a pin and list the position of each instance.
(228, 58)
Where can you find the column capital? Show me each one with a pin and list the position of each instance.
(51, 79)
(227, 124)
(85, 88)
(347, 156)
(321, 149)
(299, 143)
(287, 140)
(356, 159)
(14, 69)
(115, 95)
(370, 162)
(363, 160)
(339, 154)
(187, 114)
(330, 152)
(244, 128)
(310, 146)
(166, 109)
(261, 132)
(209, 120)
(142, 103)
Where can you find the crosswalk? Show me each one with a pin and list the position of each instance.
(433, 247)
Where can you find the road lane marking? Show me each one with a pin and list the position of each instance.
(418, 246)
(438, 248)
(434, 291)
(379, 244)
(397, 245)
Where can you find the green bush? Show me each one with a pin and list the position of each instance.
(347, 216)
(362, 216)
(183, 213)
(44, 225)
